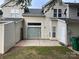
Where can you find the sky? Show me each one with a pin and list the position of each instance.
(40, 3)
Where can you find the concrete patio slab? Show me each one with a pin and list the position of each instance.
(77, 52)
(38, 43)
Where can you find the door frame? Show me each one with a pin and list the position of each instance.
(34, 26)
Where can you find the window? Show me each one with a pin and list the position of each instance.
(59, 12)
(34, 24)
(26, 10)
(54, 32)
(1, 12)
(77, 11)
(55, 12)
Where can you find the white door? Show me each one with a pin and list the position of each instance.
(34, 32)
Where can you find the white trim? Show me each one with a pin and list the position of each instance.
(34, 26)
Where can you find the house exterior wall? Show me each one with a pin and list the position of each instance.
(73, 12)
(9, 11)
(45, 26)
(62, 6)
(74, 29)
(70, 13)
(6, 11)
(54, 24)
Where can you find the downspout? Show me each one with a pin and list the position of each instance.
(68, 35)
(15, 31)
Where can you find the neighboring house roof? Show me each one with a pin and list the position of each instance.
(13, 19)
(5, 3)
(34, 12)
(72, 4)
(48, 3)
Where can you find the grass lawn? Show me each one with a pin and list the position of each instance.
(40, 53)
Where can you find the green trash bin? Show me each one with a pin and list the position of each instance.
(75, 43)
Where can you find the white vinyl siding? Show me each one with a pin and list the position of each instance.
(73, 12)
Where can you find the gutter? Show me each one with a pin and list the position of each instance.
(48, 3)
(33, 15)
